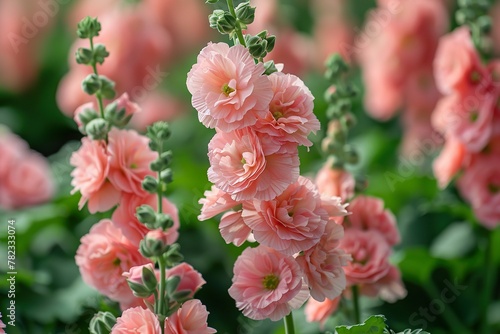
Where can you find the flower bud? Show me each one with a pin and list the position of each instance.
(154, 244)
(97, 129)
(88, 28)
(167, 175)
(162, 162)
(100, 53)
(84, 56)
(139, 290)
(173, 254)
(351, 155)
(85, 116)
(245, 13)
(158, 134)
(164, 221)
(107, 90)
(146, 215)
(91, 84)
(335, 66)
(115, 115)
(257, 45)
(150, 184)
(101, 323)
(223, 21)
(211, 1)
(142, 276)
(271, 41)
(270, 67)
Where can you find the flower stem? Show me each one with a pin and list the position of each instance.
(289, 328)
(489, 283)
(355, 300)
(161, 298)
(237, 29)
(94, 67)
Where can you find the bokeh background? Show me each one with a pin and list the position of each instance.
(154, 49)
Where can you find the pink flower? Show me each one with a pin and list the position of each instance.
(2, 325)
(233, 228)
(124, 102)
(134, 274)
(449, 161)
(322, 265)
(103, 256)
(90, 175)
(293, 49)
(368, 214)
(229, 90)
(124, 217)
(267, 284)
(216, 201)
(137, 320)
(130, 160)
(290, 117)
(335, 182)
(12, 148)
(292, 222)
(191, 318)
(191, 279)
(389, 288)
(246, 168)
(457, 65)
(480, 186)
(80, 110)
(320, 311)
(370, 256)
(157, 106)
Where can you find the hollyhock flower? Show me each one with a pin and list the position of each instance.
(2, 325)
(457, 65)
(229, 90)
(368, 214)
(233, 228)
(90, 177)
(12, 148)
(389, 288)
(130, 157)
(449, 161)
(215, 201)
(137, 320)
(290, 117)
(320, 311)
(370, 254)
(267, 284)
(191, 318)
(134, 274)
(335, 182)
(157, 106)
(468, 119)
(103, 256)
(294, 221)
(246, 168)
(322, 265)
(480, 186)
(125, 219)
(191, 279)
(29, 182)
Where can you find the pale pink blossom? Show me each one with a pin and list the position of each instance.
(134, 274)
(290, 117)
(267, 284)
(103, 256)
(190, 278)
(191, 318)
(292, 222)
(12, 148)
(215, 202)
(370, 256)
(480, 186)
(2, 325)
(130, 157)
(233, 228)
(368, 214)
(449, 162)
(90, 177)
(335, 182)
(320, 311)
(322, 265)
(389, 288)
(137, 320)
(229, 90)
(125, 219)
(246, 168)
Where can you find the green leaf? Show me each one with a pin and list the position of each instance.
(417, 265)
(373, 325)
(454, 242)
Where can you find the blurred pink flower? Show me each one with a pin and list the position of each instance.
(267, 284)
(89, 177)
(290, 117)
(134, 274)
(125, 219)
(449, 162)
(137, 320)
(368, 214)
(12, 148)
(292, 222)
(370, 256)
(157, 106)
(191, 279)
(320, 311)
(229, 90)
(292, 49)
(130, 157)
(103, 256)
(322, 264)
(2, 325)
(335, 182)
(246, 168)
(389, 288)
(191, 318)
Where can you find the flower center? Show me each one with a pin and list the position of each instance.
(133, 165)
(226, 90)
(116, 262)
(271, 282)
(474, 115)
(493, 188)
(475, 77)
(277, 115)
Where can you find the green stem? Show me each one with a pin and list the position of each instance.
(355, 301)
(489, 284)
(160, 185)
(94, 67)
(237, 29)
(161, 303)
(449, 316)
(289, 328)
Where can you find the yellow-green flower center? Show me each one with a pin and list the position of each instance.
(271, 282)
(493, 188)
(226, 90)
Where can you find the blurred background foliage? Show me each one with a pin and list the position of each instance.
(439, 244)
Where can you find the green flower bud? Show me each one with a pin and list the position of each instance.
(150, 184)
(146, 215)
(167, 176)
(484, 24)
(223, 21)
(164, 221)
(100, 53)
(351, 155)
(149, 279)
(84, 56)
(173, 254)
(211, 1)
(245, 13)
(172, 284)
(97, 129)
(158, 134)
(139, 290)
(162, 162)
(335, 66)
(91, 84)
(271, 40)
(101, 323)
(107, 90)
(154, 244)
(116, 117)
(88, 28)
(270, 67)
(85, 117)
(181, 296)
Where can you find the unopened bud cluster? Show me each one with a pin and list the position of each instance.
(102, 323)
(340, 97)
(474, 13)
